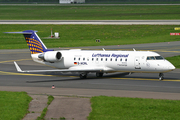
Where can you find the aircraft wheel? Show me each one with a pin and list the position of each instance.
(99, 74)
(83, 76)
(161, 76)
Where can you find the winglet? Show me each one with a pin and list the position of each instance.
(17, 67)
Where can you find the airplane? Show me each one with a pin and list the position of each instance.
(93, 61)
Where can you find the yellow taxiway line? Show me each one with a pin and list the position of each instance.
(12, 73)
(27, 74)
(14, 60)
(148, 79)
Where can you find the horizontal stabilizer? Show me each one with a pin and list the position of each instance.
(20, 32)
(33, 41)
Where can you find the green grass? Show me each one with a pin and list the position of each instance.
(96, 12)
(85, 35)
(116, 108)
(132, 2)
(175, 60)
(50, 99)
(42, 114)
(13, 105)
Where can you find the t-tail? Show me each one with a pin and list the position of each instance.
(33, 41)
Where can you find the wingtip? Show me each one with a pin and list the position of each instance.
(17, 67)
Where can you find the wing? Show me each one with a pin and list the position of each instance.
(71, 69)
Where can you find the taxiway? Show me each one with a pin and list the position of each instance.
(134, 85)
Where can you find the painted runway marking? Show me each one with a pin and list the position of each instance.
(12, 52)
(147, 79)
(14, 60)
(13, 73)
(27, 74)
(165, 51)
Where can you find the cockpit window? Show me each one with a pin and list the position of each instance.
(155, 58)
(159, 57)
(150, 58)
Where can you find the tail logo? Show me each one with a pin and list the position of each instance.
(34, 45)
(33, 41)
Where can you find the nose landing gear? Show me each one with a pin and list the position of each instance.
(161, 76)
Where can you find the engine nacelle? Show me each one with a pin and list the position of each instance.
(51, 56)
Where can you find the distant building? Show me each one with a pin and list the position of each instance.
(71, 1)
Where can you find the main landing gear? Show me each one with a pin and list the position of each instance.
(99, 74)
(161, 76)
(84, 75)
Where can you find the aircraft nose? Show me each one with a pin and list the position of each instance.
(171, 67)
(167, 65)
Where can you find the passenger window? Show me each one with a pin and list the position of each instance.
(92, 59)
(83, 58)
(126, 59)
(106, 59)
(96, 59)
(101, 59)
(79, 58)
(111, 59)
(116, 59)
(74, 58)
(121, 59)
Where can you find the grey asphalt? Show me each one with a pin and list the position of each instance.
(141, 85)
(70, 108)
(94, 22)
(147, 82)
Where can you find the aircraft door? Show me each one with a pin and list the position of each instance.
(137, 63)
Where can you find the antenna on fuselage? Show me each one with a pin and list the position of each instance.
(134, 49)
(103, 49)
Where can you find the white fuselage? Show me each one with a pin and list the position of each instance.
(110, 61)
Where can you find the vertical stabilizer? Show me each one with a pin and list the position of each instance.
(33, 41)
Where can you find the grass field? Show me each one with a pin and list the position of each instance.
(13, 105)
(85, 35)
(116, 108)
(85, 12)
